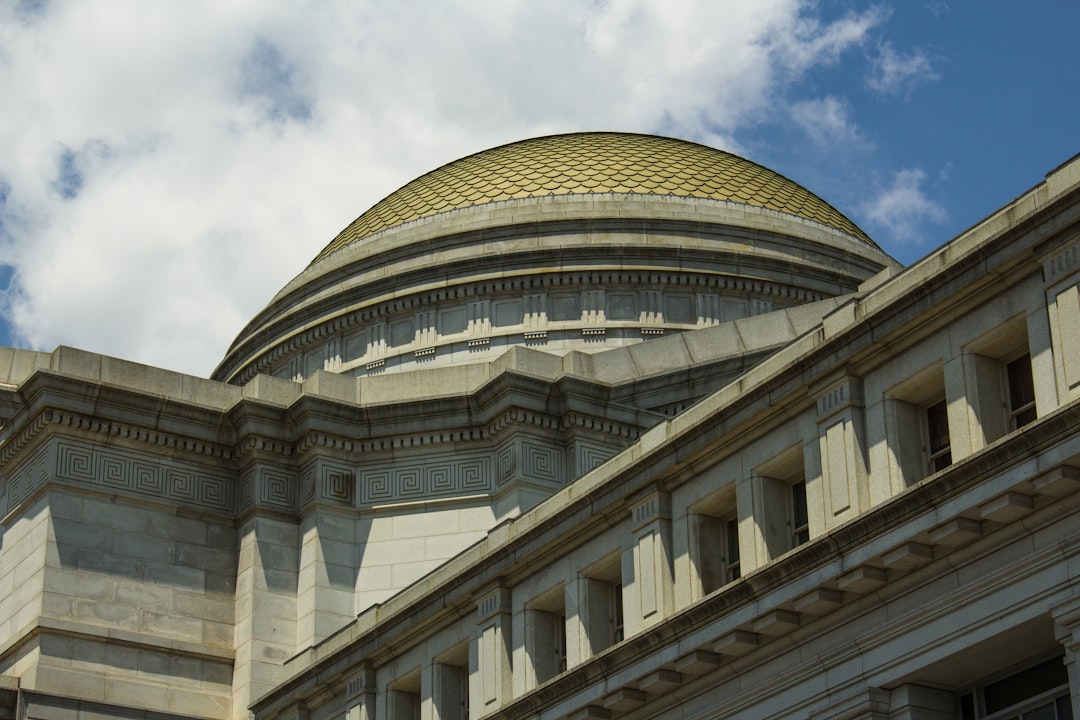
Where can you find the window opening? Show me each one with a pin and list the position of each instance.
(1021, 391)
(733, 564)
(1038, 692)
(800, 521)
(617, 622)
(937, 427)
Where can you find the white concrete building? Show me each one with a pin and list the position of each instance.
(588, 426)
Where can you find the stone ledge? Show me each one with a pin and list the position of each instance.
(74, 629)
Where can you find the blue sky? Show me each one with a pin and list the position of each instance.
(165, 169)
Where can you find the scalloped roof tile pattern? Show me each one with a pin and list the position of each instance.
(583, 163)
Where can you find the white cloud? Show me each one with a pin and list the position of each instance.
(167, 167)
(894, 73)
(903, 208)
(827, 121)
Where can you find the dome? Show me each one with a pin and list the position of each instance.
(591, 163)
(579, 242)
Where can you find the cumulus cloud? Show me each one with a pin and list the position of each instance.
(903, 208)
(827, 121)
(896, 73)
(167, 167)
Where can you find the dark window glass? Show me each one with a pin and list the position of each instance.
(800, 532)
(1024, 684)
(937, 425)
(967, 707)
(1021, 391)
(733, 571)
(617, 613)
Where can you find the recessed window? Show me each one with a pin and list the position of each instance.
(545, 640)
(404, 697)
(618, 625)
(781, 482)
(600, 604)
(1021, 391)
(939, 447)
(714, 540)
(450, 693)
(1038, 692)
(800, 519)
(733, 570)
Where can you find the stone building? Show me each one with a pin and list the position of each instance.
(587, 426)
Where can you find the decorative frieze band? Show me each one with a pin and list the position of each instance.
(127, 471)
(421, 479)
(328, 482)
(269, 487)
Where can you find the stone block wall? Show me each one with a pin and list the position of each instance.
(132, 601)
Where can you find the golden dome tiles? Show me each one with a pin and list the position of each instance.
(587, 163)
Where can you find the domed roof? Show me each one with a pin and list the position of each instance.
(596, 162)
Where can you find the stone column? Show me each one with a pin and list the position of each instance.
(649, 594)
(490, 679)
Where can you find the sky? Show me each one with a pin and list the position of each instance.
(165, 168)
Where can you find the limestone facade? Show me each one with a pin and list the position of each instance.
(863, 504)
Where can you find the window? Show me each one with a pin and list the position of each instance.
(780, 504)
(618, 625)
(451, 684)
(938, 447)
(404, 697)
(1038, 692)
(1021, 391)
(714, 540)
(732, 547)
(546, 634)
(601, 605)
(999, 387)
(799, 517)
(917, 426)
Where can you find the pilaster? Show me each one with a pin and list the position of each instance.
(842, 441)
(490, 679)
(649, 596)
(360, 692)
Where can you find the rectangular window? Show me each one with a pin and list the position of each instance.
(714, 540)
(1021, 392)
(545, 638)
(450, 681)
(939, 452)
(404, 697)
(1038, 692)
(616, 612)
(780, 503)
(800, 520)
(600, 605)
(559, 641)
(732, 547)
